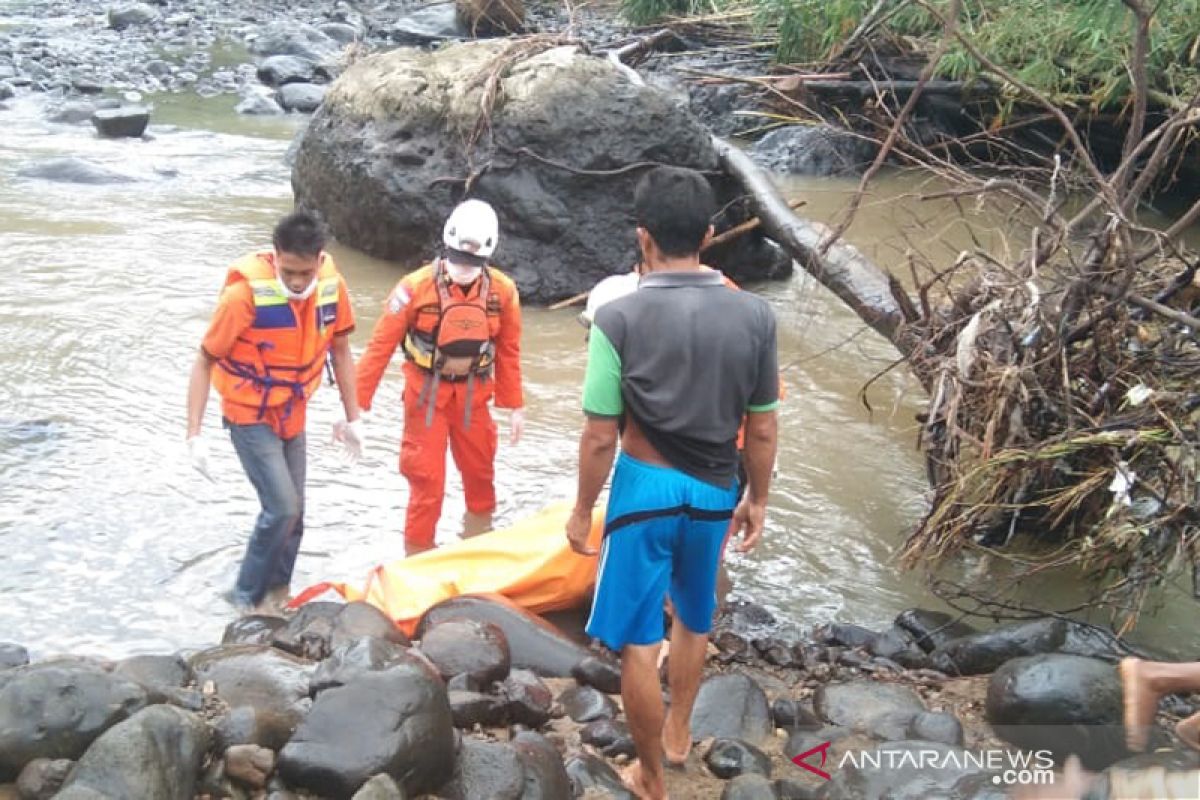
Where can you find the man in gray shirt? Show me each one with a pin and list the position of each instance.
(672, 369)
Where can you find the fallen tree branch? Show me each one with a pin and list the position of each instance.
(745, 227)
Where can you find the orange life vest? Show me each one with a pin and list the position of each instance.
(278, 359)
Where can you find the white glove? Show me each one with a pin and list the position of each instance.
(353, 438)
(516, 425)
(198, 454)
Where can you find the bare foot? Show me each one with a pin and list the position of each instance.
(635, 782)
(1188, 731)
(676, 742)
(1141, 703)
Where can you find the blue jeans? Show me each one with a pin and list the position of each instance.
(276, 468)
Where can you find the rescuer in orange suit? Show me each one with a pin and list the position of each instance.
(459, 322)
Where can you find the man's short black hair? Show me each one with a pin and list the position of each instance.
(299, 233)
(675, 206)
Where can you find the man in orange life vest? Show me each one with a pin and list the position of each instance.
(281, 313)
(460, 323)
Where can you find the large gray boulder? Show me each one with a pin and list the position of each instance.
(57, 712)
(156, 753)
(981, 653)
(400, 135)
(266, 691)
(732, 707)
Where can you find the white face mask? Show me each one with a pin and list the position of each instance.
(463, 276)
(304, 294)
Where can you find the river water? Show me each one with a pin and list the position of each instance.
(112, 545)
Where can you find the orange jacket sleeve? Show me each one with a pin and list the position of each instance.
(388, 333)
(508, 351)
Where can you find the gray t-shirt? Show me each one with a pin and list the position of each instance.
(686, 357)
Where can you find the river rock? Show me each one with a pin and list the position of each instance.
(308, 633)
(160, 675)
(932, 629)
(1062, 703)
(424, 25)
(12, 655)
(787, 789)
(358, 619)
(1092, 642)
(475, 708)
(42, 778)
(814, 150)
(791, 714)
(930, 727)
(846, 635)
(288, 38)
(529, 699)
(801, 740)
(897, 645)
(266, 691)
(731, 707)
(73, 112)
(253, 629)
(856, 705)
(585, 704)
(609, 736)
(278, 70)
(600, 673)
(303, 98)
(397, 721)
(74, 170)
(155, 753)
(356, 658)
(903, 772)
(128, 122)
(545, 774)
(749, 787)
(728, 758)
(132, 15)
(985, 652)
(486, 769)
(587, 772)
(340, 32)
(250, 765)
(395, 122)
(257, 103)
(7, 92)
(491, 17)
(465, 645)
(57, 712)
(381, 787)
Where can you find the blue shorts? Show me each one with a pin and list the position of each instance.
(664, 530)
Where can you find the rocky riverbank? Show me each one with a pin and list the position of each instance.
(335, 701)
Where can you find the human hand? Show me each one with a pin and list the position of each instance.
(198, 455)
(579, 529)
(353, 438)
(748, 521)
(516, 425)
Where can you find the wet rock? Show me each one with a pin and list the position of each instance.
(129, 16)
(475, 708)
(529, 700)
(749, 787)
(930, 727)
(731, 707)
(853, 659)
(842, 634)
(340, 32)
(397, 721)
(294, 39)
(978, 787)
(7, 92)
(428, 24)
(815, 150)
(609, 736)
(266, 691)
(985, 652)
(128, 122)
(802, 741)
(600, 673)
(486, 769)
(278, 70)
(790, 714)
(250, 765)
(400, 107)
(897, 645)
(155, 753)
(1085, 640)
(787, 789)
(462, 682)
(891, 726)
(464, 645)
(491, 17)
(303, 98)
(13, 655)
(42, 778)
(381, 787)
(588, 772)
(545, 774)
(857, 704)
(903, 772)
(733, 646)
(728, 758)
(57, 712)
(356, 658)
(74, 170)
(257, 103)
(1062, 703)
(253, 629)
(585, 704)
(932, 629)
(309, 632)
(358, 619)
(160, 676)
(774, 651)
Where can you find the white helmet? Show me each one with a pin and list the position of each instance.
(472, 228)
(607, 290)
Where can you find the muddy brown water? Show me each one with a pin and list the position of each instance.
(112, 545)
